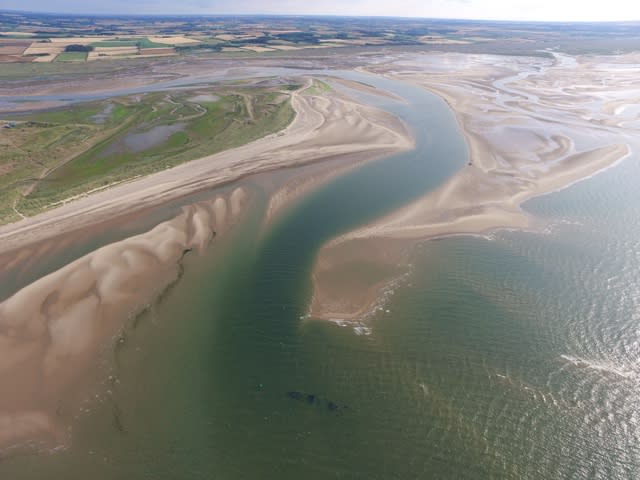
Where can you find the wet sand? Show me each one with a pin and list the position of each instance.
(365, 88)
(530, 131)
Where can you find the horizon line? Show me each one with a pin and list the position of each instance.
(309, 15)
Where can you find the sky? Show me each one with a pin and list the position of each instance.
(546, 10)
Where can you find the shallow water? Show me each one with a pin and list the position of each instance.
(101, 117)
(140, 141)
(512, 356)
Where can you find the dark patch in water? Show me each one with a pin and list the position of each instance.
(295, 395)
(313, 399)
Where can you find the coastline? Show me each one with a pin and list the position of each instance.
(52, 330)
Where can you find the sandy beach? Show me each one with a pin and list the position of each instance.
(529, 130)
(334, 166)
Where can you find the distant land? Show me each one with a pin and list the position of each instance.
(45, 38)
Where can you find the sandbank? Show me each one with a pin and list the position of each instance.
(523, 142)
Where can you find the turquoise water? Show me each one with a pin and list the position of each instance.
(512, 356)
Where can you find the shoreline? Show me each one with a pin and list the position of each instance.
(362, 245)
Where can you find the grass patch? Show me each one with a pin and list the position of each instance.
(146, 43)
(67, 115)
(119, 113)
(71, 57)
(318, 87)
(143, 42)
(178, 139)
(115, 43)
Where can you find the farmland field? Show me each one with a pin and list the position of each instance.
(71, 57)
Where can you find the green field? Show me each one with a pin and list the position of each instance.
(115, 43)
(130, 42)
(318, 87)
(33, 147)
(52, 156)
(71, 57)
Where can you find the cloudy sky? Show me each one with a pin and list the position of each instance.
(555, 10)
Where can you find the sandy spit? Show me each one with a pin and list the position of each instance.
(366, 88)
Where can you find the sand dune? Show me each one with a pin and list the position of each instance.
(529, 130)
(51, 331)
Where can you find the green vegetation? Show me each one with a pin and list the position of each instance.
(38, 144)
(78, 48)
(318, 87)
(210, 46)
(54, 155)
(72, 57)
(146, 43)
(130, 42)
(79, 70)
(69, 116)
(115, 43)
